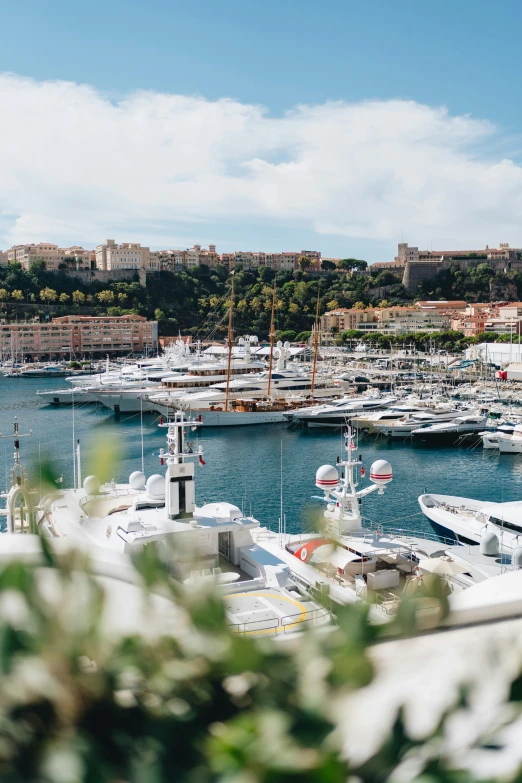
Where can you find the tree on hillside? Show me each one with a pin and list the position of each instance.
(37, 266)
(3, 294)
(78, 297)
(17, 295)
(47, 295)
(105, 297)
(352, 263)
(64, 298)
(360, 306)
(327, 265)
(304, 263)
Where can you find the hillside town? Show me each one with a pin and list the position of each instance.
(59, 302)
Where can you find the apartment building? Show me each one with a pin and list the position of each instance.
(343, 319)
(128, 256)
(55, 257)
(4, 260)
(73, 335)
(442, 305)
(389, 320)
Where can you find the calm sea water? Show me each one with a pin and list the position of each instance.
(243, 465)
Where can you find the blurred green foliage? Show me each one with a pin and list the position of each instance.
(81, 702)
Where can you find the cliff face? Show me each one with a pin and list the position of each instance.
(503, 290)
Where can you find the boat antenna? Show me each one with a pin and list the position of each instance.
(141, 434)
(316, 339)
(272, 339)
(230, 340)
(73, 440)
(281, 497)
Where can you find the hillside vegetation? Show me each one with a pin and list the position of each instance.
(197, 301)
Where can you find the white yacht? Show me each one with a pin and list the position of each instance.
(511, 444)
(176, 385)
(491, 438)
(452, 431)
(211, 542)
(129, 375)
(349, 560)
(339, 412)
(403, 427)
(467, 521)
(368, 420)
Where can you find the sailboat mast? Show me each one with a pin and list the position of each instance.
(230, 341)
(272, 338)
(316, 341)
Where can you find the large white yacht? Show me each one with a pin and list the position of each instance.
(350, 560)
(468, 521)
(126, 376)
(403, 427)
(212, 542)
(339, 412)
(176, 385)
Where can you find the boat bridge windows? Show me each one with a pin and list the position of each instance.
(502, 523)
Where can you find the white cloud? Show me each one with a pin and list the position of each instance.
(75, 164)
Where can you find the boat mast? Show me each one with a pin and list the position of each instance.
(316, 341)
(230, 340)
(272, 338)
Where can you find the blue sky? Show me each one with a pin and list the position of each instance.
(460, 55)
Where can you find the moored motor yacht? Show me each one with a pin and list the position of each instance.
(350, 560)
(511, 444)
(403, 427)
(452, 431)
(339, 412)
(212, 542)
(467, 520)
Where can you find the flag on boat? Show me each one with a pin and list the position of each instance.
(352, 445)
(201, 460)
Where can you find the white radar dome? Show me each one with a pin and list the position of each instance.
(326, 477)
(137, 480)
(489, 544)
(91, 485)
(381, 472)
(155, 486)
(516, 557)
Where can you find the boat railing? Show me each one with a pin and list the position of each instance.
(285, 624)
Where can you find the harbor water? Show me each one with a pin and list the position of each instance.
(249, 466)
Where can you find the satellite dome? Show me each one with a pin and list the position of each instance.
(137, 480)
(326, 477)
(489, 544)
(91, 485)
(381, 472)
(516, 557)
(155, 486)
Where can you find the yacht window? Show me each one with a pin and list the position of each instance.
(148, 504)
(503, 523)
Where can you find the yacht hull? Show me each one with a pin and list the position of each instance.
(237, 418)
(509, 446)
(66, 397)
(448, 524)
(123, 403)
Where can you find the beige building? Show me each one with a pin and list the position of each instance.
(344, 319)
(388, 320)
(128, 256)
(55, 257)
(78, 336)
